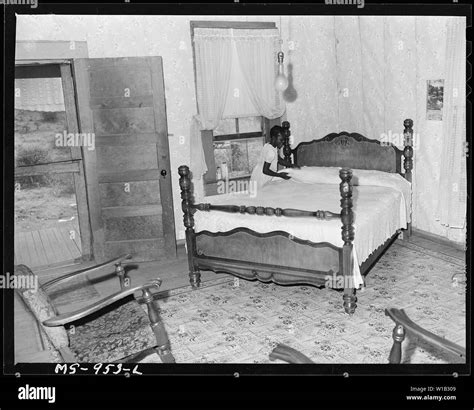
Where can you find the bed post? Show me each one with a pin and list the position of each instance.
(408, 156)
(186, 206)
(286, 145)
(347, 218)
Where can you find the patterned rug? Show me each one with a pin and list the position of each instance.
(240, 321)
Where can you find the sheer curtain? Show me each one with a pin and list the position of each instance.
(213, 58)
(257, 51)
(451, 208)
(214, 48)
(39, 94)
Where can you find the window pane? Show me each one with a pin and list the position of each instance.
(226, 127)
(36, 137)
(254, 147)
(238, 156)
(246, 124)
(222, 155)
(250, 124)
(40, 119)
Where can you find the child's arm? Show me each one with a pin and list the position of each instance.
(284, 162)
(268, 171)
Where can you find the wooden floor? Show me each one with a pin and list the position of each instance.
(28, 346)
(49, 247)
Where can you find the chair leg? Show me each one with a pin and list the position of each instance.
(398, 337)
(120, 272)
(163, 348)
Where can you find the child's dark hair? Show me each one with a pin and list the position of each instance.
(275, 131)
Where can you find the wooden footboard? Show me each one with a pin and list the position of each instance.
(269, 257)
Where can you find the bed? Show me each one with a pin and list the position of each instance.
(320, 233)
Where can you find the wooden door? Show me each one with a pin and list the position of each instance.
(128, 178)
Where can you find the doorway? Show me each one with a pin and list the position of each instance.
(52, 226)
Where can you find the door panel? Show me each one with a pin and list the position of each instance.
(130, 120)
(122, 101)
(144, 193)
(133, 158)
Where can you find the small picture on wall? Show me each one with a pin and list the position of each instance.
(434, 100)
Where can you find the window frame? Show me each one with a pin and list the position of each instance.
(208, 138)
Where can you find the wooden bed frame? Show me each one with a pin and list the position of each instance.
(278, 256)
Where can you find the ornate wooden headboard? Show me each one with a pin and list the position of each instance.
(352, 150)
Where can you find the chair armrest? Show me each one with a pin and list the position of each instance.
(85, 271)
(290, 355)
(401, 318)
(65, 318)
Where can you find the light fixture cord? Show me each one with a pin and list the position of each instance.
(281, 39)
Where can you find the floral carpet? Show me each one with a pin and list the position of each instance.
(239, 321)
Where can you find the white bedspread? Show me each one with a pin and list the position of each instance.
(378, 213)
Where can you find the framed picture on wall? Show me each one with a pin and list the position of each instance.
(434, 100)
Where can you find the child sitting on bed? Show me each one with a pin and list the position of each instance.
(266, 167)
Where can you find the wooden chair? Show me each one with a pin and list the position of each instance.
(114, 329)
(402, 324)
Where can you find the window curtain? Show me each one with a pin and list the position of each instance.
(239, 103)
(214, 48)
(39, 94)
(257, 51)
(451, 208)
(213, 58)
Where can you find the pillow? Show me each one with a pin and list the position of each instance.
(360, 177)
(330, 175)
(370, 177)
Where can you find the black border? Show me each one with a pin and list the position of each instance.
(232, 371)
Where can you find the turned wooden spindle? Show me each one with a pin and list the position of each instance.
(347, 219)
(120, 272)
(408, 150)
(163, 344)
(398, 336)
(286, 144)
(267, 211)
(188, 220)
(408, 156)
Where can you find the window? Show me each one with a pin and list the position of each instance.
(237, 144)
(233, 148)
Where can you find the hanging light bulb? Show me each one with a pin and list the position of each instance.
(281, 82)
